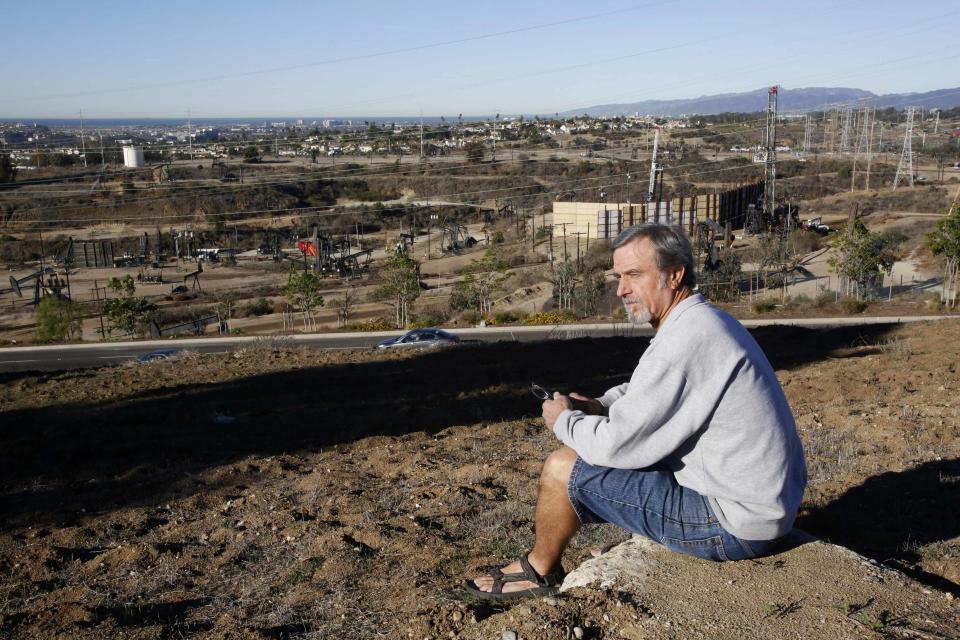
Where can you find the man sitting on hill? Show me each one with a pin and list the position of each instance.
(698, 451)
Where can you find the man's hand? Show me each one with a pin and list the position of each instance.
(553, 408)
(590, 406)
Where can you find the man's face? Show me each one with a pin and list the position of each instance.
(642, 288)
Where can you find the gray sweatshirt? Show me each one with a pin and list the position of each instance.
(705, 401)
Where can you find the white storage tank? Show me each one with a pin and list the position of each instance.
(133, 157)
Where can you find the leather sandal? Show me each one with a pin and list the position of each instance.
(546, 585)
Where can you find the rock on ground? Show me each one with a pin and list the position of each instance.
(810, 590)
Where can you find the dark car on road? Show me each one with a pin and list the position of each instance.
(159, 354)
(420, 338)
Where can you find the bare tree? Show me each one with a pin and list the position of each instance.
(344, 306)
(945, 241)
(564, 282)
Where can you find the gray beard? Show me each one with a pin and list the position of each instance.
(642, 317)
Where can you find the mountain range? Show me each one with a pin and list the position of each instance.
(789, 100)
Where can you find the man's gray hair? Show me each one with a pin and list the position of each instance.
(670, 243)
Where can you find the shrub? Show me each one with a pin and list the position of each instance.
(764, 306)
(804, 241)
(824, 298)
(852, 305)
(598, 257)
(57, 320)
(550, 317)
(506, 317)
(933, 302)
(259, 307)
(426, 320)
(374, 324)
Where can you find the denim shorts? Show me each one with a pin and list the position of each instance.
(649, 502)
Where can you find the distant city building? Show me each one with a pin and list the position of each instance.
(133, 157)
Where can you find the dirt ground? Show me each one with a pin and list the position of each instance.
(276, 492)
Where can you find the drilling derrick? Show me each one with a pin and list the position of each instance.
(653, 165)
(770, 166)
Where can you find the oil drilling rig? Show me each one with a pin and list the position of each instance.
(767, 215)
(329, 256)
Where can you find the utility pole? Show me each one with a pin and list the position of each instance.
(96, 293)
(189, 134)
(421, 136)
(533, 230)
(869, 154)
(103, 161)
(551, 256)
(905, 166)
(579, 262)
(807, 131)
(564, 225)
(83, 144)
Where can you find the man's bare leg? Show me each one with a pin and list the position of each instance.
(556, 522)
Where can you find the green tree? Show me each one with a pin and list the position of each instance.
(722, 284)
(8, 172)
(474, 151)
(862, 257)
(303, 291)
(944, 241)
(251, 154)
(57, 320)
(399, 286)
(483, 278)
(462, 297)
(128, 312)
(589, 294)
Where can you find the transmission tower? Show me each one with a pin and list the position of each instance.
(905, 166)
(873, 123)
(834, 128)
(770, 168)
(807, 131)
(863, 143)
(827, 143)
(847, 121)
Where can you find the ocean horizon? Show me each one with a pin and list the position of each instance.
(115, 123)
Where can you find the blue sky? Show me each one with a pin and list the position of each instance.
(366, 58)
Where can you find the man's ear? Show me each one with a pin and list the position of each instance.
(677, 276)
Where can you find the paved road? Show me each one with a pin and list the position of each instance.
(80, 356)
